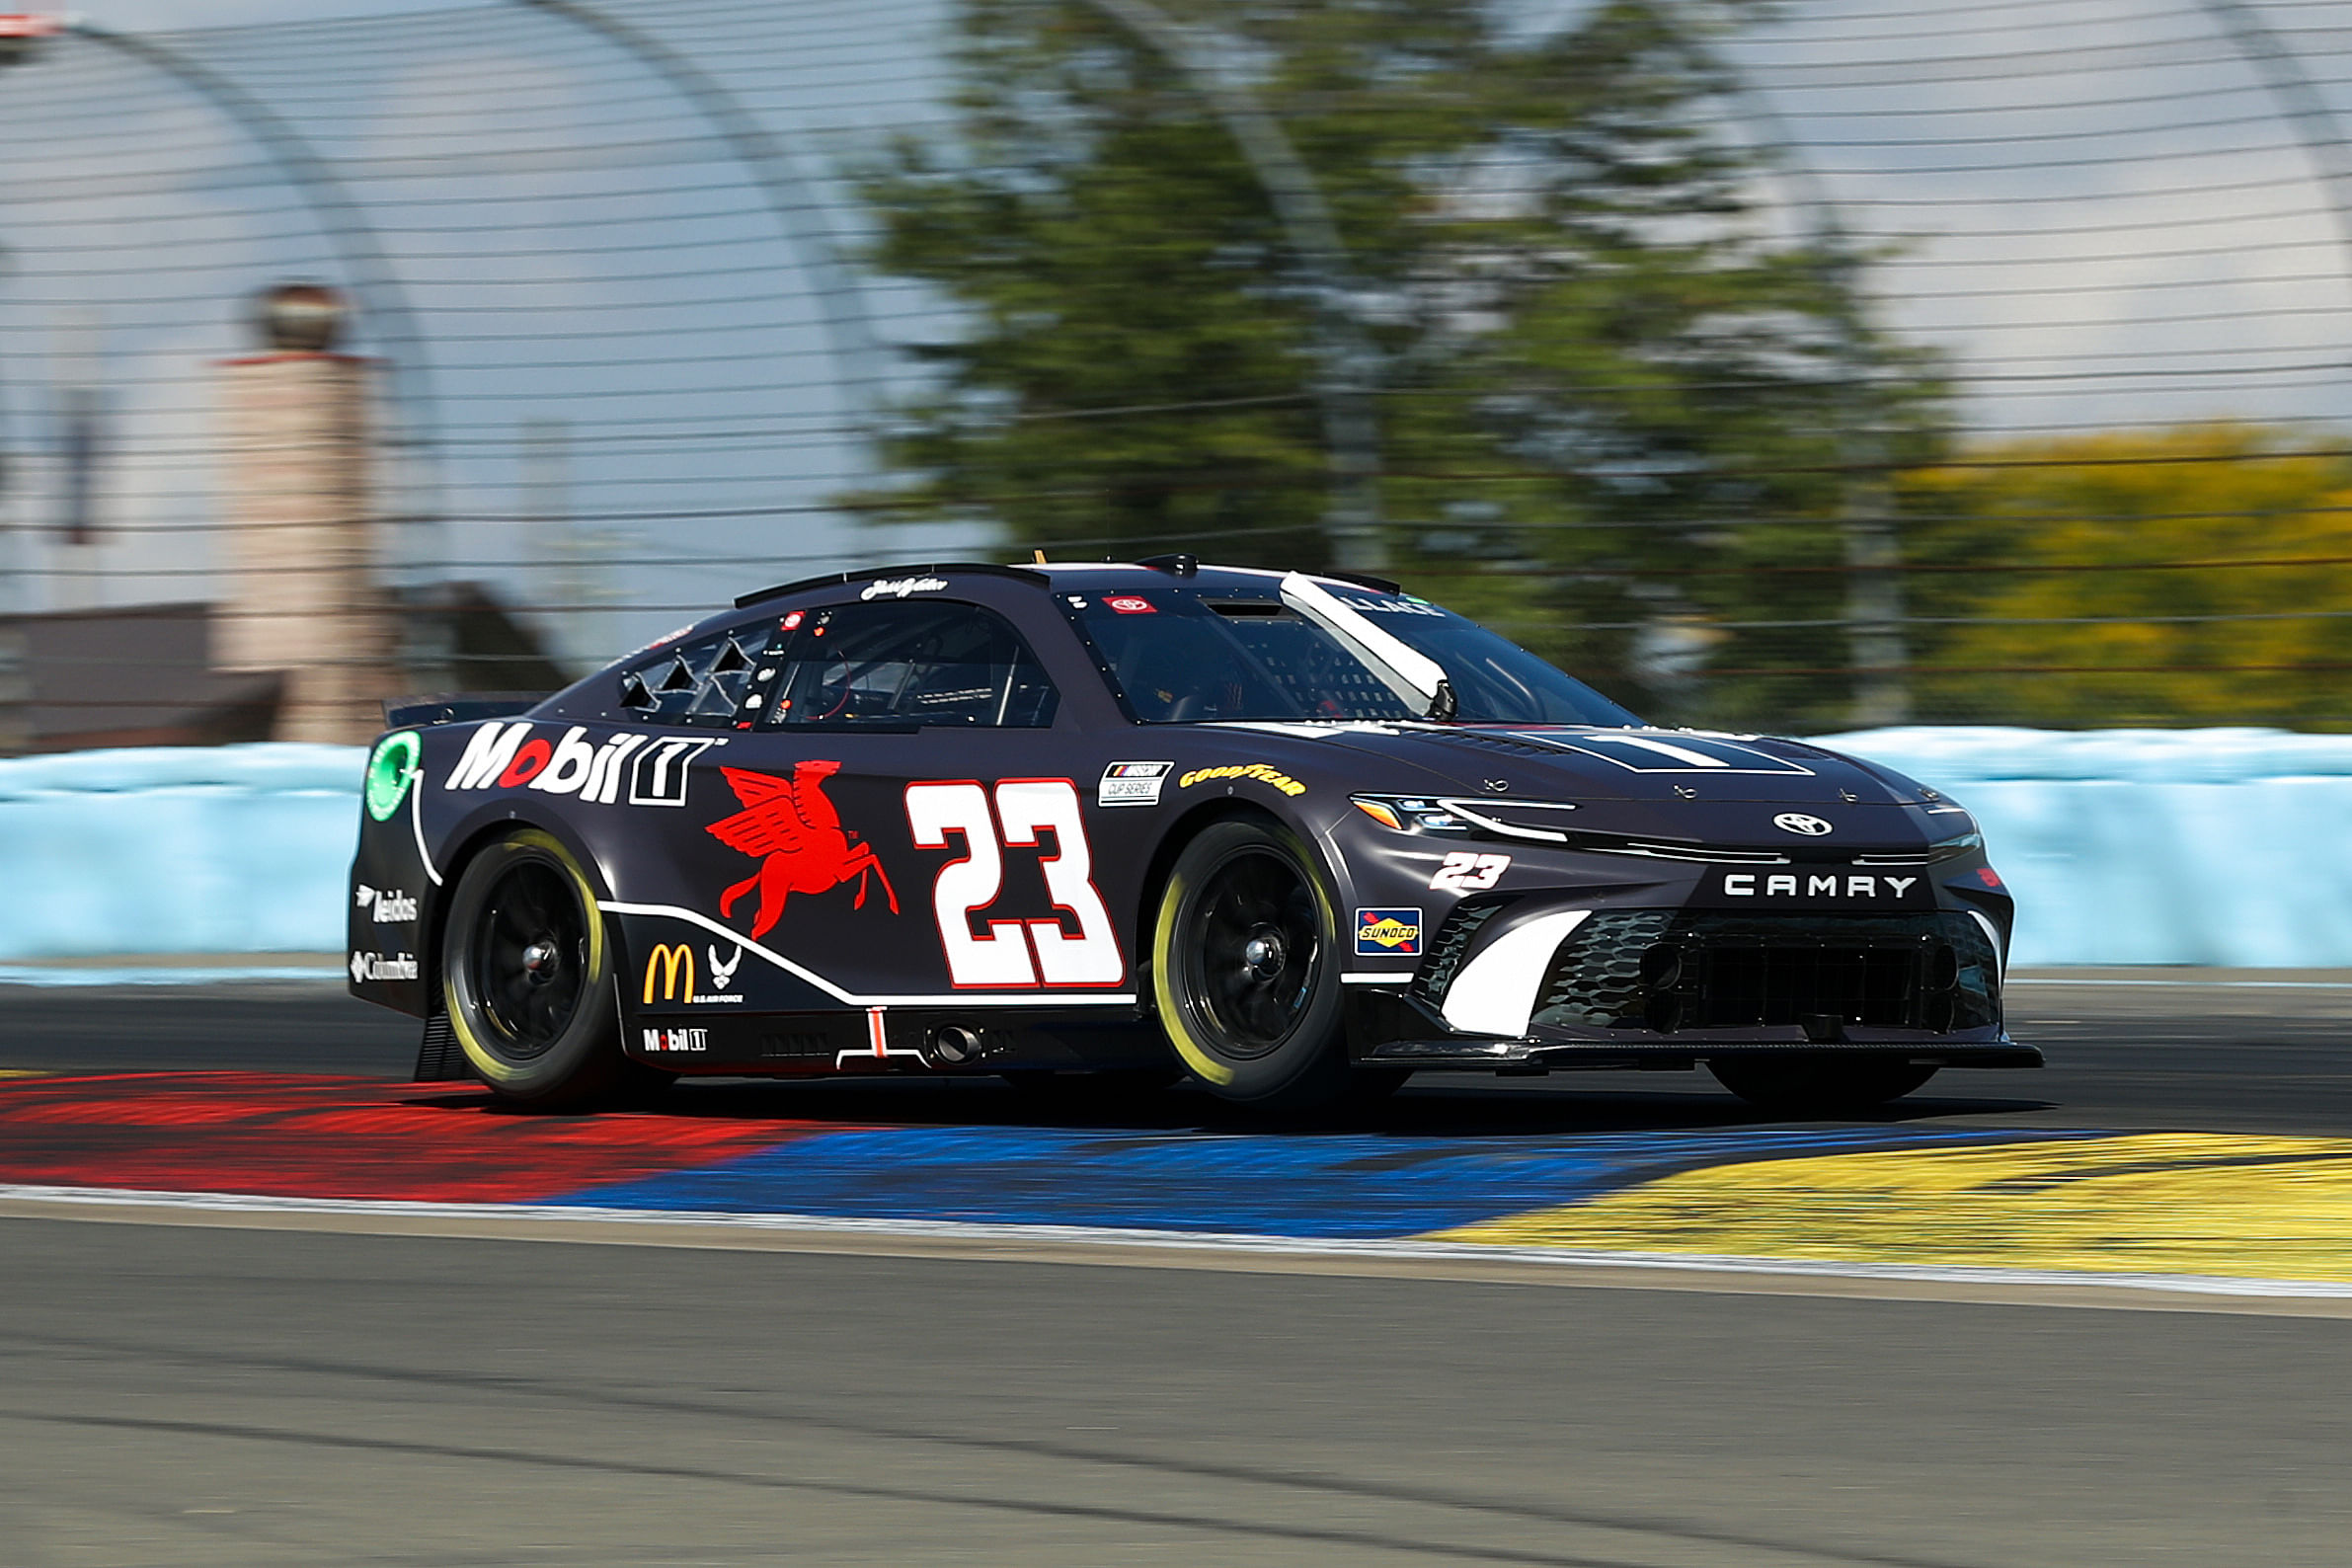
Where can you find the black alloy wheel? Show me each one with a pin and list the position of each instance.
(530, 953)
(1245, 967)
(526, 975)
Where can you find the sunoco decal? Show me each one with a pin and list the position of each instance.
(1381, 933)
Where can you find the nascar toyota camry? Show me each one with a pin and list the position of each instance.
(1293, 836)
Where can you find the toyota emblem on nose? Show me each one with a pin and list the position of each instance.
(1799, 823)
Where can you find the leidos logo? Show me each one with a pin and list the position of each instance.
(1380, 932)
(386, 906)
(509, 757)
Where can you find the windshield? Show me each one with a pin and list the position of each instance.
(1179, 655)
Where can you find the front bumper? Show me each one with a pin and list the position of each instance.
(1519, 983)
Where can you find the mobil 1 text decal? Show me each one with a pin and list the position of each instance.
(984, 824)
(650, 769)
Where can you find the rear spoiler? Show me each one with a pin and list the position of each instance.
(458, 707)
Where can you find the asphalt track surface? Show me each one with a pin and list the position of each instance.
(183, 1395)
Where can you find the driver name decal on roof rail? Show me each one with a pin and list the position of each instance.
(898, 588)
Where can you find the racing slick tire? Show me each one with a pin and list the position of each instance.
(1817, 1083)
(1246, 968)
(526, 977)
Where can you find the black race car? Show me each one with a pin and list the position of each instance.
(1293, 836)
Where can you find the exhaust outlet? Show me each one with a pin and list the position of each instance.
(955, 1043)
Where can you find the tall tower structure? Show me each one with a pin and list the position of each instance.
(305, 594)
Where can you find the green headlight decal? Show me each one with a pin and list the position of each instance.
(391, 770)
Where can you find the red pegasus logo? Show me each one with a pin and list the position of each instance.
(790, 822)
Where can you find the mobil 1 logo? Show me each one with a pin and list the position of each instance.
(658, 776)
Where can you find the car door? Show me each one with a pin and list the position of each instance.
(910, 825)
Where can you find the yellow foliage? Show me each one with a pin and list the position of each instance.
(2148, 555)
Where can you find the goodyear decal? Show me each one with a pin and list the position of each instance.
(2159, 1202)
(1260, 771)
(1388, 933)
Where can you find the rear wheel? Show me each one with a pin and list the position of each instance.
(526, 976)
(1817, 1083)
(1245, 967)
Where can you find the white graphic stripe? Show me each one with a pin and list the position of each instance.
(1037, 998)
(1679, 753)
(417, 822)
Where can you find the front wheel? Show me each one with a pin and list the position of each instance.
(1245, 967)
(526, 975)
(1817, 1083)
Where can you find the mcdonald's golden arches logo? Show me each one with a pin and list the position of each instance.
(674, 961)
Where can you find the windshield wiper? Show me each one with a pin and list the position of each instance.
(1418, 681)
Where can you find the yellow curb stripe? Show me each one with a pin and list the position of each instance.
(2163, 1203)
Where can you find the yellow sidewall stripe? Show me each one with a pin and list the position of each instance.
(2161, 1203)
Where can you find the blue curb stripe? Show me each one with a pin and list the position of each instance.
(1339, 1186)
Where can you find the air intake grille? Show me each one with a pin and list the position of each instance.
(1668, 971)
(1445, 950)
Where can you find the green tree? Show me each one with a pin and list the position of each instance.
(1607, 396)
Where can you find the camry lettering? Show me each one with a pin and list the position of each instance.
(1745, 885)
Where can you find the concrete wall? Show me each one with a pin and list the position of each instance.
(2202, 846)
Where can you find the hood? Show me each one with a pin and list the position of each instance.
(1680, 783)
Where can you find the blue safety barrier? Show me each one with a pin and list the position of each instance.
(2123, 846)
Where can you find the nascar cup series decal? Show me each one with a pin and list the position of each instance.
(1383, 933)
(1249, 771)
(1131, 783)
